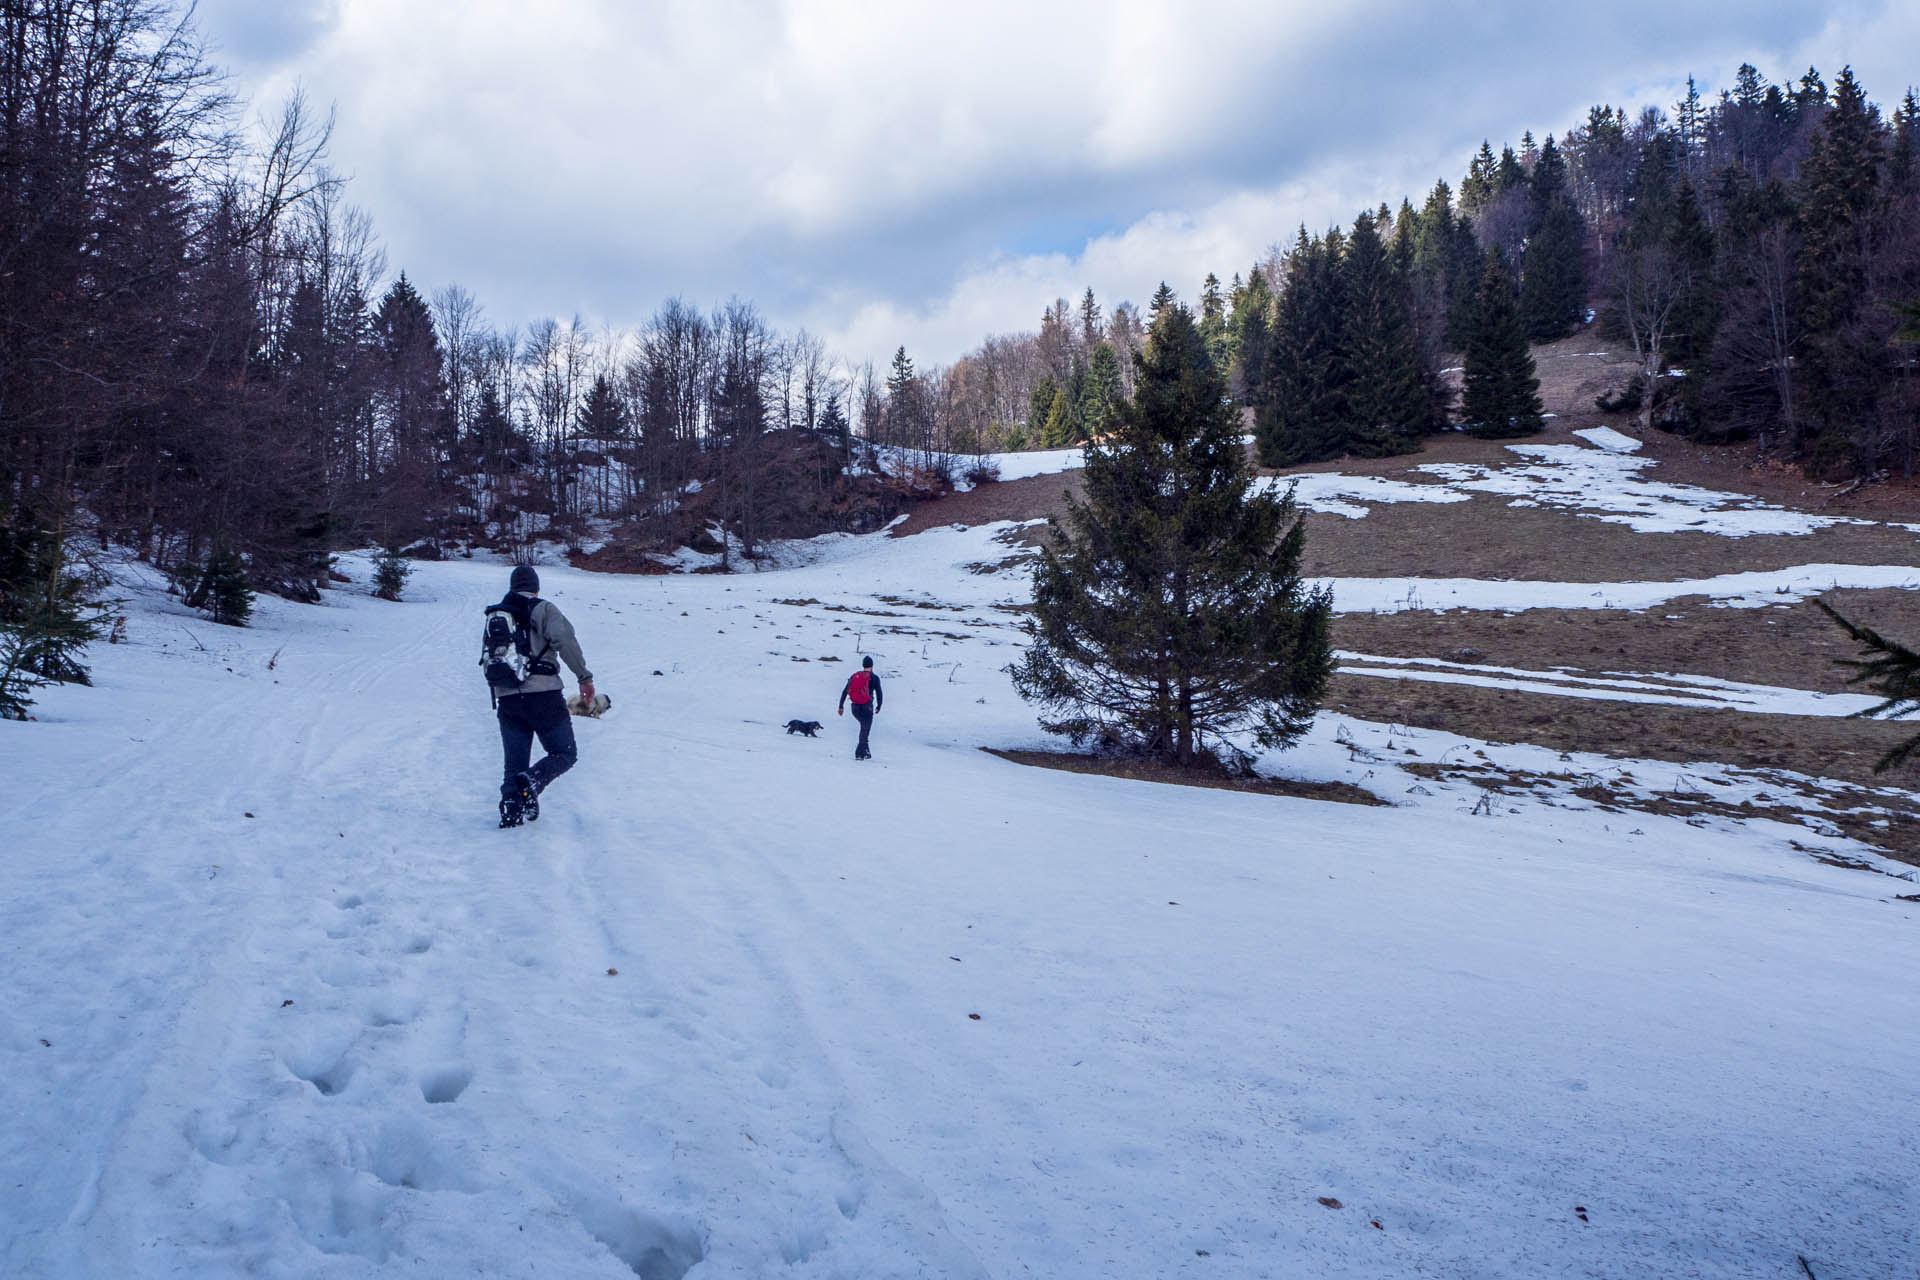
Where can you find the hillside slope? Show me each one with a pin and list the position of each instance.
(284, 1003)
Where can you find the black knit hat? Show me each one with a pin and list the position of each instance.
(524, 579)
(867, 661)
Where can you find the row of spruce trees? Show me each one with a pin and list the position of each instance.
(1756, 252)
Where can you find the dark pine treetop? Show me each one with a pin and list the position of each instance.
(1501, 397)
(602, 417)
(1169, 609)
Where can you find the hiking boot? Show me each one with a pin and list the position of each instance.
(519, 800)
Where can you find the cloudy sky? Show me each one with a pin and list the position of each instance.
(929, 173)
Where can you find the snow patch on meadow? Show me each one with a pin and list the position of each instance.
(1607, 484)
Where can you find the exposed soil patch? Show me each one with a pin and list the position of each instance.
(618, 557)
(1034, 498)
(1160, 771)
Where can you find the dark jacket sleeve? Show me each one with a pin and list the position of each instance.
(845, 689)
(873, 687)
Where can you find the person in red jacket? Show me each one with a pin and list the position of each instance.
(863, 691)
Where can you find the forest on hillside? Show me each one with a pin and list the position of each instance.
(206, 360)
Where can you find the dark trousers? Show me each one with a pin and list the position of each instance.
(863, 712)
(523, 716)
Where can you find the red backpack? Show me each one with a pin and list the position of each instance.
(857, 687)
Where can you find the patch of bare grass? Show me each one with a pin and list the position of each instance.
(1138, 770)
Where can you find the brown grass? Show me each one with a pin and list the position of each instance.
(1139, 770)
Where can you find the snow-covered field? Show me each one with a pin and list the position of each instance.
(282, 1001)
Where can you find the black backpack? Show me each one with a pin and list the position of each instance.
(506, 646)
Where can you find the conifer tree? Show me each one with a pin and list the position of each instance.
(1252, 343)
(1161, 300)
(1477, 189)
(602, 417)
(1213, 322)
(1386, 400)
(1510, 174)
(1303, 414)
(1839, 204)
(222, 590)
(390, 573)
(1463, 283)
(1040, 408)
(1089, 320)
(1060, 428)
(1553, 292)
(1100, 395)
(1501, 396)
(1891, 670)
(1169, 610)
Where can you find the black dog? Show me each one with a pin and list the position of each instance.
(808, 727)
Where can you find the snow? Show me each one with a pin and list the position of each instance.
(1335, 494)
(1667, 690)
(1607, 485)
(1609, 439)
(1747, 590)
(1023, 465)
(283, 1003)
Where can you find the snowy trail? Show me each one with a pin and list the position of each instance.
(363, 1033)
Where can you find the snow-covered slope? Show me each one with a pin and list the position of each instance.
(281, 1001)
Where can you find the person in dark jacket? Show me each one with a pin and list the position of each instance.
(538, 708)
(863, 691)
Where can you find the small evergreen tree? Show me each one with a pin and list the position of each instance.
(1040, 407)
(1100, 391)
(1169, 609)
(1060, 429)
(1213, 322)
(390, 573)
(222, 590)
(1501, 397)
(602, 417)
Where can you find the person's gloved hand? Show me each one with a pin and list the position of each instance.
(586, 691)
(842, 711)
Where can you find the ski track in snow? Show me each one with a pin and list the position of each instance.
(361, 1032)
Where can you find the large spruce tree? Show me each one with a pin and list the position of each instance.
(1169, 612)
(1302, 414)
(1553, 290)
(1501, 397)
(1843, 340)
(1387, 405)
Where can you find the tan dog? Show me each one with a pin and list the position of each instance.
(593, 709)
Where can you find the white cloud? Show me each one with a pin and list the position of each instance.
(927, 173)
